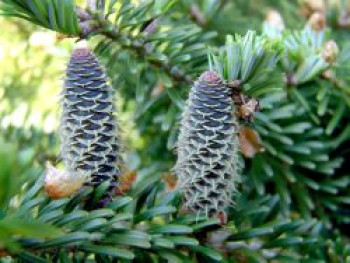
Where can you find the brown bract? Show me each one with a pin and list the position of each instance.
(125, 182)
(170, 180)
(250, 142)
(59, 184)
(3, 253)
(158, 89)
(317, 21)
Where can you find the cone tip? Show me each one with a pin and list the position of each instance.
(210, 77)
(81, 52)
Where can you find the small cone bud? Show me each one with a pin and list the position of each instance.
(170, 180)
(125, 182)
(330, 51)
(250, 142)
(317, 21)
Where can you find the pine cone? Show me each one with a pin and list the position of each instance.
(207, 147)
(89, 132)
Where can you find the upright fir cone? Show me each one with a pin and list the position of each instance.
(89, 130)
(207, 147)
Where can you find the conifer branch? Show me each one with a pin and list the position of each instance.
(140, 48)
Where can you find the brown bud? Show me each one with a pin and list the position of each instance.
(330, 51)
(250, 142)
(126, 181)
(317, 21)
(275, 19)
(247, 109)
(222, 216)
(60, 184)
(170, 180)
(327, 74)
(158, 89)
(3, 253)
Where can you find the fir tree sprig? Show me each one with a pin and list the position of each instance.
(248, 62)
(57, 15)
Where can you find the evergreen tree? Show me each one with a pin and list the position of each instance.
(252, 168)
